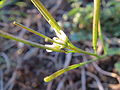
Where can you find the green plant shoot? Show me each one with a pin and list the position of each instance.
(61, 43)
(96, 17)
(46, 15)
(9, 36)
(58, 73)
(101, 38)
(35, 32)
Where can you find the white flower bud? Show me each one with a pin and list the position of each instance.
(61, 38)
(51, 46)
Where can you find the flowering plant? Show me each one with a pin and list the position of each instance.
(61, 43)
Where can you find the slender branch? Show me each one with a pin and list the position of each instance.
(46, 15)
(78, 50)
(101, 37)
(96, 17)
(99, 84)
(60, 72)
(37, 33)
(9, 36)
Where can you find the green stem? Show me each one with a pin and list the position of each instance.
(96, 18)
(46, 15)
(9, 36)
(101, 38)
(35, 32)
(78, 50)
(60, 72)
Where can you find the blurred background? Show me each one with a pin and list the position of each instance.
(23, 67)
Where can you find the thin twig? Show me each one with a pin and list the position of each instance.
(11, 81)
(30, 53)
(10, 84)
(83, 78)
(9, 36)
(114, 86)
(60, 84)
(49, 86)
(1, 80)
(21, 34)
(83, 75)
(57, 5)
(114, 75)
(68, 60)
(97, 80)
(8, 63)
(67, 63)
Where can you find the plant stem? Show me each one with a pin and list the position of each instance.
(101, 37)
(60, 72)
(46, 15)
(96, 18)
(9, 36)
(35, 32)
(78, 50)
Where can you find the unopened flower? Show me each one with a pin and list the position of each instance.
(61, 38)
(61, 35)
(51, 46)
(56, 45)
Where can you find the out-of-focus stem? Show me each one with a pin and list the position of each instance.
(101, 37)
(96, 17)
